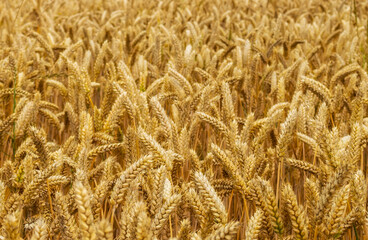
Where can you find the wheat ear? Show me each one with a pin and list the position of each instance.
(226, 232)
(296, 213)
(211, 198)
(85, 216)
(104, 230)
(40, 231)
(126, 177)
(254, 226)
(164, 213)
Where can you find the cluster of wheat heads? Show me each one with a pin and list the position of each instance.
(203, 119)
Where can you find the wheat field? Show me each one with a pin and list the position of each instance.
(186, 119)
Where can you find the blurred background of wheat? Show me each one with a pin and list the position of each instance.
(203, 119)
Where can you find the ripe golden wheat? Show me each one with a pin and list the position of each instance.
(190, 119)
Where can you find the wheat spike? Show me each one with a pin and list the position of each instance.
(254, 226)
(127, 176)
(163, 215)
(297, 214)
(40, 231)
(86, 224)
(211, 198)
(104, 230)
(225, 232)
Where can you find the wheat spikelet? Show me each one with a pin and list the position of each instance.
(4, 125)
(230, 167)
(50, 116)
(223, 185)
(230, 138)
(161, 115)
(44, 44)
(18, 92)
(312, 197)
(211, 198)
(122, 101)
(48, 105)
(286, 133)
(184, 231)
(30, 192)
(225, 232)
(347, 223)
(297, 215)
(72, 116)
(100, 193)
(40, 231)
(302, 165)
(58, 85)
(104, 230)
(157, 150)
(143, 225)
(195, 203)
(336, 214)
(254, 226)
(162, 216)
(127, 176)
(344, 72)
(99, 61)
(157, 53)
(25, 117)
(195, 236)
(124, 73)
(308, 140)
(183, 82)
(281, 89)
(40, 143)
(103, 149)
(11, 226)
(167, 189)
(134, 226)
(70, 227)
(85, 215)
(85, 129)
(354, 146)
(213, 122)
(129, 222)
(328, 192)
(229, 113)
(158, 184)
(276, 107)
(358, 196)
(260, 201)
(272, 209)
(318, 88)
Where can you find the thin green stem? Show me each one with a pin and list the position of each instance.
(356, 232)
